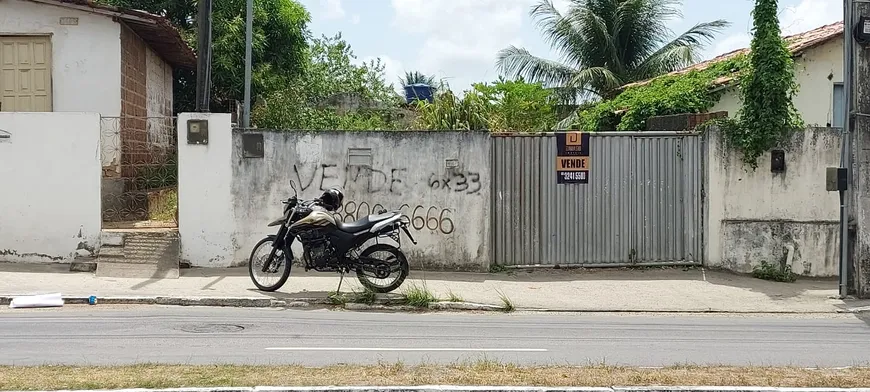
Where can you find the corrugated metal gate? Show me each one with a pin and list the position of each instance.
(642, 205)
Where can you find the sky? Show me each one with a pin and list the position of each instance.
(457, 40)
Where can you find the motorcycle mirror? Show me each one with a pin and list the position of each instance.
(293, 187)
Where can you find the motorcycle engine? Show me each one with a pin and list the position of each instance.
(318, 251)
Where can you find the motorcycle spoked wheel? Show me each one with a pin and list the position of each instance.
(276, 256)
(395, 257)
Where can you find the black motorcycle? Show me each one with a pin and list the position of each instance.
(331, 245)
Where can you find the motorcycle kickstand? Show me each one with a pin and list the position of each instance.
(341, 279)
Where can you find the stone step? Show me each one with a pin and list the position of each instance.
(139, 253)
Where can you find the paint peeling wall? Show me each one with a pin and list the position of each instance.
(158, 88)
(49, 208)
(775, 217)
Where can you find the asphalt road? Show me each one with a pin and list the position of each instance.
(110, 336)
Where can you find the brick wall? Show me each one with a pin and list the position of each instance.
(134, 136)
(681, 122)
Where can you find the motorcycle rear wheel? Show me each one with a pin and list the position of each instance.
(400, 258)
(255, 268)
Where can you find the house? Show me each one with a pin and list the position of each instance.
(77, 56)
(818, 56)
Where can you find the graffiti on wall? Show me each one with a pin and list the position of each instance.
(393, 180)
(431, 218)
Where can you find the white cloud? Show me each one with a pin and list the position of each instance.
(809, 14)
(460, 35)
(806, 15)
(730, 43)
(332, 9)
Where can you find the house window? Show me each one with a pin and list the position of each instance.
(25, 73)
(839, 106)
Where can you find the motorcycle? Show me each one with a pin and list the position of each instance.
(330, 245)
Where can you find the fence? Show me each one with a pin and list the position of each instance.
(642, 205)
(140, 180)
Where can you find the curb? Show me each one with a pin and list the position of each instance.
(451, 388)
(392, 305)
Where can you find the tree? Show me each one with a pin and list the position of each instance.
(505, 105)
(279, 45)
(604, 44)
(330, 71)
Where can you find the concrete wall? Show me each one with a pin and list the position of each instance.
(86, 59)
(226, 200)
(158, 105)
(816, 71)
(49, 208)
(206, 224)
(775, 217)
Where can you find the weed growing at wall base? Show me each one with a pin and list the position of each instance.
(773, 273)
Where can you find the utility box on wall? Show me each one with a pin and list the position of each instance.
(197, 131)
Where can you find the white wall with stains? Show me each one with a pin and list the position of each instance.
(439, 179)
(789, 217)
(49, 186)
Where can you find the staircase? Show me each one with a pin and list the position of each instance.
(138, 253)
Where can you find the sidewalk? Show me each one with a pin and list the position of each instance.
(653, 290)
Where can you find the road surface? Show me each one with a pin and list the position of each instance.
(105, 335)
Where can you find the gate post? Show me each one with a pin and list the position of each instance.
(206, 221)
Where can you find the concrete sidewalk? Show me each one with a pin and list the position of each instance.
(652, 290)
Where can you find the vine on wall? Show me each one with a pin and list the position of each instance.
(767, 88)
(665, 95)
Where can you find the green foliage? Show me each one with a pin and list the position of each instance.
(773, 273)
(330, 74)
(279, 45)
(768, 115)
(418, 296)
(665, 95)
(514, 106)
(604, 44)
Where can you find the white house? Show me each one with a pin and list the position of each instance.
(818, 56)
(76, 56)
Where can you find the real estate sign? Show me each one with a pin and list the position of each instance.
(572, 158)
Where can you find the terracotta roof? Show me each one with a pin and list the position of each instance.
(157, 31)
(797, 44)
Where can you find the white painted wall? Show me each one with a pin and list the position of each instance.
(816, 71)
(86, 69)
(158, 104)
(50, 197)
(759, 215)
(206, 223)
(86, 60)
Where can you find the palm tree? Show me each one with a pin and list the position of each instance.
(604, 44)
(417, 78)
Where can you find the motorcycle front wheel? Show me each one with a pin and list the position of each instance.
(277, 273)
(390, 262)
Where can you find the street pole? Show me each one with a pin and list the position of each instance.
(845, 139)
(249, 38)
(203, 69)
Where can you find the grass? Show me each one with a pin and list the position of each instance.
(773, 273)
(506, 304)
(364, 296)
(418, 296)
(476, 373)
(163, 206)
(453, 297)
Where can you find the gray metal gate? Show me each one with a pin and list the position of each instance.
(642, 205)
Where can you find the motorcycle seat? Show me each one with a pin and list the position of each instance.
(365, 223)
